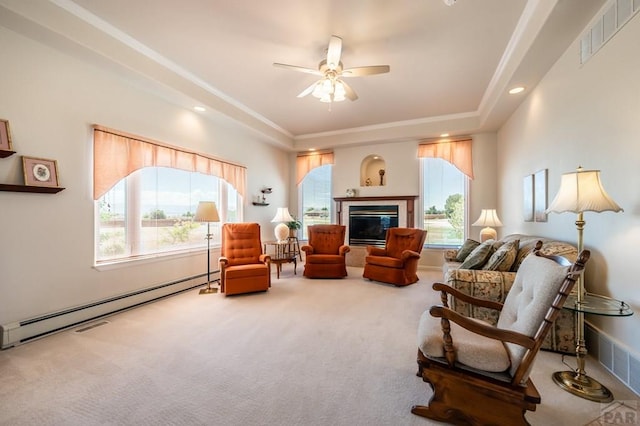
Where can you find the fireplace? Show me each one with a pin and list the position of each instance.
(368, 224)
(404, 207)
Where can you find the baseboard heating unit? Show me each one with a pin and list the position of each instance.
(15, 333)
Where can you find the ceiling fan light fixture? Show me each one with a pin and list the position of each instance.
(326, 98)
(317, 91)
(330, 88)
(339, 92)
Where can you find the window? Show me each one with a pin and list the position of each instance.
(444, 200)
(315, 198)
(151, 211)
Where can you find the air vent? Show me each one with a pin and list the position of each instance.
(616, 14)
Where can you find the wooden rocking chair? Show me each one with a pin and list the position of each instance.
(479, 373)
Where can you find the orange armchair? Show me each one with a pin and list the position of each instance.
(243, 267)
(397, 263)
(326, 252)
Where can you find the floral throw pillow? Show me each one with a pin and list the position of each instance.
(478, 257)
(503, 258)
(466, 249)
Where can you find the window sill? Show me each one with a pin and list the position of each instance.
(152, 258)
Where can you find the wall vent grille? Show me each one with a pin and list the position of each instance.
(616, 13)
(614, 356)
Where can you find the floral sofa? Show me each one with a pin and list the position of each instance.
(495, 284)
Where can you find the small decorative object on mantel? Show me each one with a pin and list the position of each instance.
(5, 137)
(40, 172)
(263, 201)
(351, 192)
(381, 173)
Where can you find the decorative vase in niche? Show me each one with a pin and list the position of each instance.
(381, 173)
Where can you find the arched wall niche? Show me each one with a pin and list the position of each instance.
(373, 171)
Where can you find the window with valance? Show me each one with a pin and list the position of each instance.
(146, 195)
(457, 153)
(117, 154)
(446, 168)
(307, 161)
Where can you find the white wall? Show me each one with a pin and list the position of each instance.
(47, 241)
(585, 115)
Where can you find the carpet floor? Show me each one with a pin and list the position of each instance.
(307, 352)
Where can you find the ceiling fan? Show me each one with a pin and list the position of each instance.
(331, 87)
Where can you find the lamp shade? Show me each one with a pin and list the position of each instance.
(282, 231)
(282, 215)
(582, 191)
(206, 212)
(488, 217)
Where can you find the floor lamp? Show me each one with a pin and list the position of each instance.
(207, 212)
(579, 192)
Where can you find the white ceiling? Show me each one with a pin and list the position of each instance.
(451, 66)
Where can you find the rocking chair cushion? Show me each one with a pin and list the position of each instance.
(472, 349)
(535, 287)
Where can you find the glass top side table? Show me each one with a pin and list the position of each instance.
(577, 382)
(598, 305)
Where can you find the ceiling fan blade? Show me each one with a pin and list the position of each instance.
(297, 68)
(333, 52)
(348, 92)
(308, 90)
(370, 70)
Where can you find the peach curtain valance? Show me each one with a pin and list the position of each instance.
(457, 153)
(305, 162)
(116, 155)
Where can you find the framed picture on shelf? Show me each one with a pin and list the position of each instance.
(540, 195)
(40, 172)
(527, 198)
(5, 135)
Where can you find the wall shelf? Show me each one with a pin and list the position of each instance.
(260, 204)
(34, 189)
(6, 153)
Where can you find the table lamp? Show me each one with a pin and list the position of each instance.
(582, 191)
(207, 212)
(488, 218)
(282, 230)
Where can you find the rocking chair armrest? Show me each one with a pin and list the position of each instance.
(483, 303)
(487, 330)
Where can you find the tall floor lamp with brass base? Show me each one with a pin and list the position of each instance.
(579, 192)
(207, 212)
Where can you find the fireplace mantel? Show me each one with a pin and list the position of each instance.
(408, 199)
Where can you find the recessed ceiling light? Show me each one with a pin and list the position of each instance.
(199, 108)
(444, 135)
(516, 90)
(312, 149)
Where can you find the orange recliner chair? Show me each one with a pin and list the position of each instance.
(397, 263)
(325, 252)
(243, 267)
